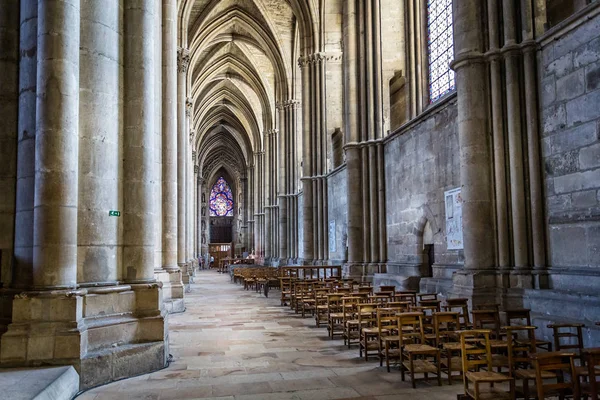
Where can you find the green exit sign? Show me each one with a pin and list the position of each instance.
(114, 213)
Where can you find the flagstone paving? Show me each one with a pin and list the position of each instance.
(238, 345)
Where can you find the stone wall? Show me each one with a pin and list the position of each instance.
(337, 208)
(569, 71)
(570, 102)
(421, 162)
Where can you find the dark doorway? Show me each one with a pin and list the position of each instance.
(428, 261)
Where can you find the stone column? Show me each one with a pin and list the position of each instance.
(138, 148)
(515, 139)
(9, 96)
(99, 115)
(473, 131)
(307, 183)
(198, 216)
(499, 139)
(183, 59)
(189, 170)
(169, 136)
(57, 145)
(194, 214)
(23, 253)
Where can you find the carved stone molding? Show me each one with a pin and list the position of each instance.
(183, 60)
(189, 105)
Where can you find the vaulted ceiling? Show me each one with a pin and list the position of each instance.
(242, 63)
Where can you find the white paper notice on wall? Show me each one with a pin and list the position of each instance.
(454, 226)
(332, 245)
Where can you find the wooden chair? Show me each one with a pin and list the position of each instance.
(334, 314)
(389, 343)
(521, 346)
(416, 355)
(478, 384)
(386, 290)
(350, 320)
(446, 324)
(520, 315)
(562, 365)
(592, 386)
(369, 332)
(462, 305)
(490, 319)
(406, 295)
(321, 306)
(568, 337)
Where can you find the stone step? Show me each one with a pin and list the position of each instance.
(50, 383)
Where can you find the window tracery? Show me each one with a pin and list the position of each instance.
(440, 48)
(221, 199)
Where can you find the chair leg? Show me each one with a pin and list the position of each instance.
(412, 372)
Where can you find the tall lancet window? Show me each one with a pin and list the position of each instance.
(440, 42)
(221, 199)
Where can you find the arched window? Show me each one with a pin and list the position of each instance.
(440, 48)
(221, 199)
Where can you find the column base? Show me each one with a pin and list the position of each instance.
(173, 290)
(480, 286)
(363, 272)
(107, 333)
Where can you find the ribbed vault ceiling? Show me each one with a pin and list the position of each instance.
(242, 56)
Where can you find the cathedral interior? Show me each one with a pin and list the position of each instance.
(261, 199)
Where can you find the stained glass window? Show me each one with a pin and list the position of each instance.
(440, 48)
(221, 199)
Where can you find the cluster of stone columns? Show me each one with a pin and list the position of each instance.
(516, 243)
(98, 184)
(367, 236)
(288, 176)
(314, 147)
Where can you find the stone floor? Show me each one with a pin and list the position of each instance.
(238, 345)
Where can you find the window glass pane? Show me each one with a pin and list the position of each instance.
(221, 199)
(440, 48)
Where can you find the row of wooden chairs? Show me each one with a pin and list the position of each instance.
(427, 338)
(256, 277)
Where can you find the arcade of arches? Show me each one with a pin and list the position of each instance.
(447, 146)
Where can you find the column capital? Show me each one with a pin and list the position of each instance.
(196, 169)
(183, 59)
(192, 136)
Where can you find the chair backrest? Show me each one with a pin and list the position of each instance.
(445, 325)
(349, 307)
(519, 350)
(410, 325)
(387, 288)
(403, 306)
(380, 299)
(365, 289)
(487, 319)
(592, 357)
(334, 302)
(560, 363)
(344, 290)
(431, 303)
(427, 296)
(518, 315)
(487, 306)
(387, 318)
(475, 357)
(567, 336)
(367, 315)
(407, 295)
(463, 306)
